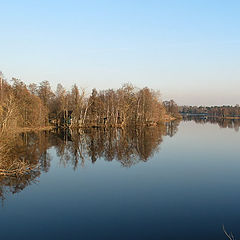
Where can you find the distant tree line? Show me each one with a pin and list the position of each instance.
(34, 105)
(213, 111)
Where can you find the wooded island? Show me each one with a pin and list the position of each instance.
(37, 106)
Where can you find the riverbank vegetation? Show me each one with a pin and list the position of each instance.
(25, 108)
(37, 106)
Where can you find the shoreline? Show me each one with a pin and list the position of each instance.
(49, 128)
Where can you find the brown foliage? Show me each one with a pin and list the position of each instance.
(37, 106)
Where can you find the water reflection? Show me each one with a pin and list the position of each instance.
(23, 158)
(128, 146)
(222, 123)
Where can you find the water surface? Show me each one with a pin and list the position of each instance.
(174, 182)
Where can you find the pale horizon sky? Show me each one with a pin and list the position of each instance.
(189, 50)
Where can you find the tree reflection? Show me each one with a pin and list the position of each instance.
(222, 122)
(128, 146)
(23, 157)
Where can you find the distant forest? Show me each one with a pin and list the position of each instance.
(33, 106)
(213, 111)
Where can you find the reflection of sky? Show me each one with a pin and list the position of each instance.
(187, 49)
(185, 191)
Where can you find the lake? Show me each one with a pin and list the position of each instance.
(179, 181)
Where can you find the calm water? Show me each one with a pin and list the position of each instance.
(175, 182)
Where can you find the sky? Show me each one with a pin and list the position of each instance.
(187, 49)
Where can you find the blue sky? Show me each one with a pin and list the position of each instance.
(189, 50)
